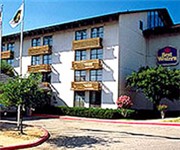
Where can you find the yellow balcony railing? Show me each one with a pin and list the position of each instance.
(87, 64)
(46, 84)
(39, 68)
(7, 54)
(39, 50)
(86, 86)
(87, 43)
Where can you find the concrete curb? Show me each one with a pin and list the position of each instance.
(36, 143)
(108, 120)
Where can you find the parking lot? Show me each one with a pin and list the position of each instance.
(81, 135)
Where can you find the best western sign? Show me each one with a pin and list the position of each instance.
(168, 56)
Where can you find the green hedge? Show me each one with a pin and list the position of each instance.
(87, 112)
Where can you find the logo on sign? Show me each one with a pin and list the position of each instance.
(167, 56)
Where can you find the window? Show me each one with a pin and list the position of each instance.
(96, 54)
(46, 77)
(97, 32)
(35, 60)
(36, 42)
(10, 47)
(80, 35)
(47, 40)
(47, 59)
(10, 61)
(79, 98)
(95, 98)
(96, 75)
(155, 19)
(80, 75)
(3, 48)
(80, 55)
(140, 25)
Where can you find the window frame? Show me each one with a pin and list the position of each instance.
(96, 75)
(49, 41)
(81, 34)
(79, 75)
(97, 32)
(36, 42)
(47, 59)
(35, 60)
(80, 55)
(10, 46)
(96, 54)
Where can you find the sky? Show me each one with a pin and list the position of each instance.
(43, 13)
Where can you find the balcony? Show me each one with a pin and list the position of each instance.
(87, 64)
(39, 50)
(7, 54)
(46, 84)
(86, 86)
(39, 68)
(87, 44)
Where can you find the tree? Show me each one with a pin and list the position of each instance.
(23, 91)
(156, 83)
(7, 68)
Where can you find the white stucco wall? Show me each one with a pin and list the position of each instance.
(132, 52)
(110, 66)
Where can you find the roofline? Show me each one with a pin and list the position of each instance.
(83, 22)
(162, 30)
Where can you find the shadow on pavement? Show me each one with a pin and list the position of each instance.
(76, 141)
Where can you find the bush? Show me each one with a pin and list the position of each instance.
(86, 112)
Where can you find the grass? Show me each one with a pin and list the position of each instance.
(173, 120)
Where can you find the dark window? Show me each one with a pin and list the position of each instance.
(10, 61)
(97, 32)
(10, 47)
(80, 75)
(47, 40)
(154, 19)
(79, 98)
(3, 48)
(96, 75)
(80, 55)
(35, 60)
(96, 54)
(36, 42)
(47, 59)
(140, 25)
(46, 77)
(95, 98)
(80, 35)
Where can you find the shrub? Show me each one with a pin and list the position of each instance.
(89, 112)
(124, 102)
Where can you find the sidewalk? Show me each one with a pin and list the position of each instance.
(114, 121)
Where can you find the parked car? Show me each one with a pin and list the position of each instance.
(7, 110)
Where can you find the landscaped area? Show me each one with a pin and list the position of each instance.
(10, 136)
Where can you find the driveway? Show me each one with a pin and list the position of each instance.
(82, 135)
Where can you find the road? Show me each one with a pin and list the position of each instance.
(82, 135)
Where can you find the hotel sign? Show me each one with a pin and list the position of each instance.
(167, 56)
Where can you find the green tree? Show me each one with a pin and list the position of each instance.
(7, 69)
(156, 83)
(24, 91)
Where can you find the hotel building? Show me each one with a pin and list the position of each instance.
(85, 62)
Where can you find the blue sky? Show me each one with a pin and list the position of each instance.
(41, 13)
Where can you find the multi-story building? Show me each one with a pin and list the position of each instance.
(85, 62)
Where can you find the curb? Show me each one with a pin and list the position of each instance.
(121, 122)
(108, 121)
(36, 143)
